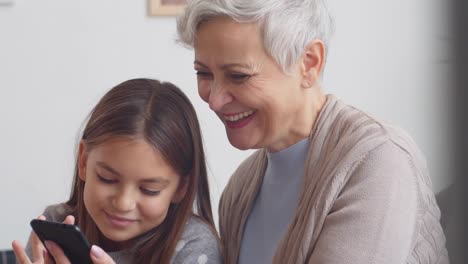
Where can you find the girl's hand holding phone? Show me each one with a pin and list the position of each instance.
(41, 256)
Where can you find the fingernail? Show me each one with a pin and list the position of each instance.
(96, 251)
(50, 246)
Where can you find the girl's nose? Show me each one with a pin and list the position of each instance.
(124, 201)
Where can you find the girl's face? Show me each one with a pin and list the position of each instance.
(128, 187)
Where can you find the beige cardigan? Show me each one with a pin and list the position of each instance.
(366, 197)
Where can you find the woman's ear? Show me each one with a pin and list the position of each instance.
(312, 63)
(82, 160)
(181, 190)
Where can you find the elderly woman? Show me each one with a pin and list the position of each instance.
(329, 183)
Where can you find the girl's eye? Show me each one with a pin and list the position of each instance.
(105, 180)
(149, 192)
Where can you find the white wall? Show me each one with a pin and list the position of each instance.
(58, 57)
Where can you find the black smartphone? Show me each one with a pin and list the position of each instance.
(69, 237)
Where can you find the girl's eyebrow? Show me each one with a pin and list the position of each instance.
(108, 168)
(156, 180)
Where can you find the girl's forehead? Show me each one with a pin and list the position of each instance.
(126, 145)
(131, 157)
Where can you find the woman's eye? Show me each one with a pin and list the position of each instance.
(149, 192)
(105, 180)
(203, 74)
(239, 77)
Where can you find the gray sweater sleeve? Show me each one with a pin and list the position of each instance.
(198, 245)
(374, 218)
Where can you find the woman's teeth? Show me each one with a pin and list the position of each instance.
(238, 117)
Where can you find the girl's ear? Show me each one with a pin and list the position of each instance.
(181, 190)
(82, 160)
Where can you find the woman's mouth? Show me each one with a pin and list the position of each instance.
(238, 120)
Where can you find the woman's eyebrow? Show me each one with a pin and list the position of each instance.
(199, 64)
(225, 66)
(235, 65)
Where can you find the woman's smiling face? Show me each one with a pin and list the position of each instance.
(245, 87)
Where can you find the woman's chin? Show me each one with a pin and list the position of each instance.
(241, 143)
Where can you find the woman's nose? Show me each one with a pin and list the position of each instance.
(218, 97)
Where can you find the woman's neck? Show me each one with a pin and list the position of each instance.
(305, 120)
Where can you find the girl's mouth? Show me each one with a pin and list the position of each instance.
(119, 221)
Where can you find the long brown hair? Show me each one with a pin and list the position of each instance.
(162, 115)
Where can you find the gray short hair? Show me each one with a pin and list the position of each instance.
(287, 26)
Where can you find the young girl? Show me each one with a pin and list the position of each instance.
(140, 169)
